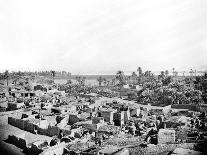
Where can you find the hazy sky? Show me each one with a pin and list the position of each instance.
(103, 36)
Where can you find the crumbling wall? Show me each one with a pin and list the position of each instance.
(135, 112)
(54, 150)
(96, 120)
(64, 122)
(156, 112)
(18, 140)
(107, 115)
(92, 127)
(76, 132)
(29, 126)
(53, 131)
(73, 119)
(119, 118)
(12, 121)
(66, 131)
(20, 123)
(42, 131)
(126, 116)
(43, 124)
(184, 106)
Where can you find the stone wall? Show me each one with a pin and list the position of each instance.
(12, 121)
(126, 116)
(119, 118)
(18, 140)
(53, 131)
(96, 120)
(42, 126)
(185, 106)
(54, 150)
(107, 115)
(41, 131)
(20, 124)
(29, 126)
(135, 112)
(73, 119)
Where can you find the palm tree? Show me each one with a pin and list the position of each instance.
(120, 77)
(174, 72)
(83, 80)
(104, 81)
(139, 70)
(134, 74)
(133, 78)
(108, 82)
(147, 73)
(162, 75)
(6, 75)
(78, 79)
(53, 74)
(100, 80)
(166, 73)
(191, 72)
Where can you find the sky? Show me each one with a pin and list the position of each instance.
(103, 36)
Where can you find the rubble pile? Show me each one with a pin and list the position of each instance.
(83, 119)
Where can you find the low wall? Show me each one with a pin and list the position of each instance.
(91, 127)
(135, 112)
(20, 123)
(42, 131)
(18, 140)
(73, 119)
(53, 131)
(185, 106)
(29, 126)
(96, 120)
(12, 121)
(55, 150)
(66, 131)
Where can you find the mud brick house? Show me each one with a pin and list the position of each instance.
(118, 118)
(15, 106)
(107, 114)
(73, 119)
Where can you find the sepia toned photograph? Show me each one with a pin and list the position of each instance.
(103, 77)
